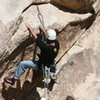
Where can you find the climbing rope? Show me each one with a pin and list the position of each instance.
(44, 68)
(41, 19)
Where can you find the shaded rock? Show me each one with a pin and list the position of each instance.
(76, 4)
(33, 95)
(41, 1)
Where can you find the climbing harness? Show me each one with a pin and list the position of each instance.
(46, 74)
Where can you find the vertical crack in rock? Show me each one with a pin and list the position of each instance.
(86, 24)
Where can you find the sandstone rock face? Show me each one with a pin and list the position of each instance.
(76, 4)
(10, 19)
(58, 21)
(12, 9)
(81, 67)
(79, 55)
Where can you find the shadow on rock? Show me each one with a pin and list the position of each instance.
(18, 93)
(32, 95)
(11, 93)
(26, 92)
(70, 98)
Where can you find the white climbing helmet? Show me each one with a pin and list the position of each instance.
(51, 34)
(43, 98)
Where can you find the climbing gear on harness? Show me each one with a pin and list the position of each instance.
(51, 34)
(48, 75)
(46, 72)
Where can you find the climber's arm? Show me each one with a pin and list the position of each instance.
(43, 30)
(31, 31)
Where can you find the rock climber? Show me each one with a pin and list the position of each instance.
(49, 51)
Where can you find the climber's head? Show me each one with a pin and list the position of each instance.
(43, 98)
(51, 34)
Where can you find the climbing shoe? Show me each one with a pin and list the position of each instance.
(10, 80)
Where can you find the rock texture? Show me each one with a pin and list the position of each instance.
(96, 6)
(10, 13)
(79, 55)
(58, 21)
(76, 4)
(81, 68)
(10, 20)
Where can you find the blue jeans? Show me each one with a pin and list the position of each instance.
(24, 65)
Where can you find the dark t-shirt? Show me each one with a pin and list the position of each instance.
(48, 52)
